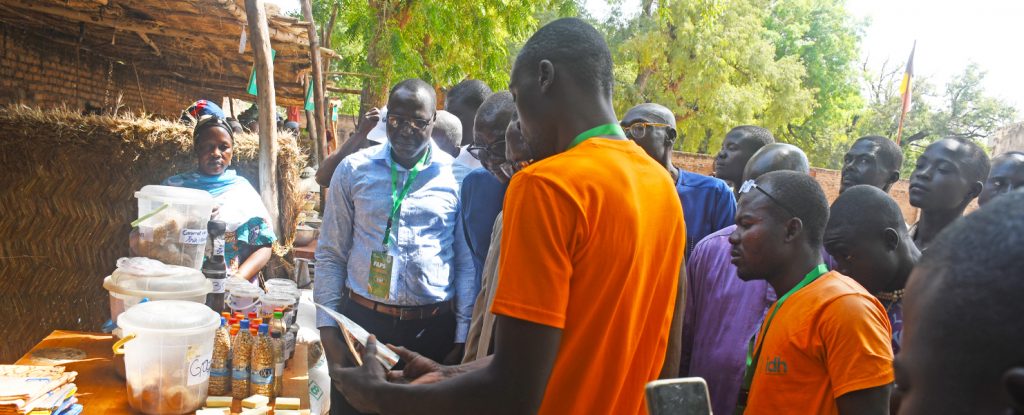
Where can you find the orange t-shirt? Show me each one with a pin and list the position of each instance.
(828, 339)
(593, 241)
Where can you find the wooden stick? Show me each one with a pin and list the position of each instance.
(145, 38)
(318, 79)
(356, 74)
(260, 38)
(344, 90)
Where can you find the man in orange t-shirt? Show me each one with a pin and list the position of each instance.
(824, 346)
(589, 301)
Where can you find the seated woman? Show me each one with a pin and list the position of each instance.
(249, 235)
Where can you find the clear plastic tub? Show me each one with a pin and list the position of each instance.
(137, 278)
(173, 225)
(242, 296)
(272, 300)
(167, 347)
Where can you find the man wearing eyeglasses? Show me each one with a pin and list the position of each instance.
(824, 344)
(722, 311)
(708, 203)
(483, 192)
(391, 255)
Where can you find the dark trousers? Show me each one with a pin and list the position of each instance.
(431, 337)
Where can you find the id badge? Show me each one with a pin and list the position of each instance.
(380, 273)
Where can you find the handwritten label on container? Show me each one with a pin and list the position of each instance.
(198, 366)
(193, 236)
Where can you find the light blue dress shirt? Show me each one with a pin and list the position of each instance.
(432, 262)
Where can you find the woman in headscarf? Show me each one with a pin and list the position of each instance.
(249, 237)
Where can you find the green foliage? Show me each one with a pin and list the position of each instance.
(713, 63)
(439, 41)
(960, 109)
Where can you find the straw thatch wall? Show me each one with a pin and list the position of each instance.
(67, 186)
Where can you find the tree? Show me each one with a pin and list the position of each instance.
(825, 37)
(961, 110)
(714, 64)
(439, 41)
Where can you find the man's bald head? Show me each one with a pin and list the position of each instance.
(447, 132)
(775, 157)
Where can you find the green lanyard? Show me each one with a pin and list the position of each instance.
(752, 356)
(396, 196)
(611, 129)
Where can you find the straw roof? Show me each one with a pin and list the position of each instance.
(194, 42)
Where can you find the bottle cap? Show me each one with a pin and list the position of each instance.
(252, 315)
(278, 309)
(257, 321)
(278, 314)
(223, 321)
(216, 227)
(245, 325)
(234, 330)
(264, 328)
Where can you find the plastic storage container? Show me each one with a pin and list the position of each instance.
(137, 278)
(175, 233)
(167, 349)
(271, 300)
(242, 296)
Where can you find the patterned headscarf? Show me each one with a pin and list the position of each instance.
(199, 109)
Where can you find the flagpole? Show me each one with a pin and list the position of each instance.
(899, 130)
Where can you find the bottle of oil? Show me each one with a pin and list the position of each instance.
(242, 352)
(261, 377)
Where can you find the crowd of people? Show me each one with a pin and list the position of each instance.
(527, 251)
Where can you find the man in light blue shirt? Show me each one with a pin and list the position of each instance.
(423, 272)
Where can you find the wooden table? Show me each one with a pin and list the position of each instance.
(102, 391)
(305, 251)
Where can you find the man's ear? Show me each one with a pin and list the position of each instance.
(546, 75)
(670, 138)
(794, 227)
(893, 178)
(1013, 384)
(891, 239)
(976, 189)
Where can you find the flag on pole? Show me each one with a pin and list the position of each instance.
(906, 91)
(309, 106)
(251, 88)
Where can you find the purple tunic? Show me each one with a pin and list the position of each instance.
(722, 313)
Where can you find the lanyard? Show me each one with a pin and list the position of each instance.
(754, 356)
(396, 196)
(610, 129)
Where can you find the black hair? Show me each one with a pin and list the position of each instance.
(976, 308)
(974, 162)
(1008, 154)
(577, 49)
(801, 194)
(865, 208)
(208, 122)
(889, 153)
(471, 91)
(415, 85)
(495, 104)
(760, 134)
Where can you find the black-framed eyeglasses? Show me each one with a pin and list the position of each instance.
(495, 150)
(396, 121)
(641, 129)
(750, 185)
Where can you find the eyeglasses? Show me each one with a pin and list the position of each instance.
(396, 121)
(495, 150)
(641, 129)
(512, 167)
(750, 185)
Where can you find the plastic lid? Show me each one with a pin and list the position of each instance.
(245, 324)
(278, 309)
(145, 277)
(176, 195)
(278, 299)
(169, 317)
(217, 227)
(263, 328)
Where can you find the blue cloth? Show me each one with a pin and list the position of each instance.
(199, 109)
(482, 198)
(708, 205)
(431, 260)
(214, 185)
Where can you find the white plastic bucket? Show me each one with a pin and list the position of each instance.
(138, 278)
(242, 296)
(176, 232)
(167, 347)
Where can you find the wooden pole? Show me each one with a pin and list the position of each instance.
(318, 79)
(260, 38)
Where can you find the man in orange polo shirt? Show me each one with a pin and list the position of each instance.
(823, 347)
(590, 263)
